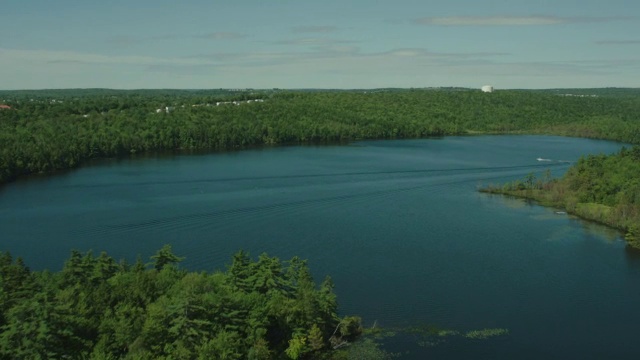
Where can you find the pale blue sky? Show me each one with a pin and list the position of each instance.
(127, 44)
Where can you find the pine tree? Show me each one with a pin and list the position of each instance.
(165, 257)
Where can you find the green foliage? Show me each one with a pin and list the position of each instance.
(165, 257)
(350, 327)
(601, 188)
(224, 346)
(297, 347)
(60, 129)
(632, 236)
(16, 283)
(95, 308)
(316, 341)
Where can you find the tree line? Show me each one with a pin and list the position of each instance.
(60, 129)
(98, 308)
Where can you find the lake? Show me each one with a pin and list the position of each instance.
(398, 224)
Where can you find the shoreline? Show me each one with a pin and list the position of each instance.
(580, 211)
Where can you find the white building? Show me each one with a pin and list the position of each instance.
(487, 88)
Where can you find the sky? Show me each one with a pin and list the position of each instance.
(346, 44)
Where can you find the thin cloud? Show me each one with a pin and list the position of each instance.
(71, 57)
(314, 29)
(331, 53)
(336, 53)
(618, 42)
(125, 40)
(512, 20)
(606, 63)
(337, 49)
(122, 40)
(222, 35)
(165, 37)
(314, 41)
(421, 52)
(218, 57)
(349, 68)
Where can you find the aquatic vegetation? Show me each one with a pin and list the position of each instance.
(365, 348)
(486, 333)
(432, 335)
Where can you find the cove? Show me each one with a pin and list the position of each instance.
(398, 225)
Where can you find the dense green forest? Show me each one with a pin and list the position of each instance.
(50, 130)
(98, 308)
(602, 188)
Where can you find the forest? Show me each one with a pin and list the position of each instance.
(98, 308)
(49, 130)
(601, 188)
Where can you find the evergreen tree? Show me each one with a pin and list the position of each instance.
(165, 257)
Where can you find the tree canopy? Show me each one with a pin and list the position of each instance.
(98, 308)
(59, 129)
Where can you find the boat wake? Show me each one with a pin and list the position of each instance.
(553, 161)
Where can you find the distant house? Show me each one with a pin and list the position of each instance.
(166, 109)
(5, 107)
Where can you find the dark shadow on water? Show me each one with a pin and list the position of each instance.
(633, 255)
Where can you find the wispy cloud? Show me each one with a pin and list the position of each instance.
(313, 41)
(222, 35)
(508, 20)
(606, 64)
(71, 57)
(165, 37)
(331, 53)
(618, 42)
(489, 20)
(332, 66)
(126, 40)
(337, 49)
(122, 40)
(314, 29)
(425, 53)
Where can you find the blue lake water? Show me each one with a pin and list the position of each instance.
(398, 225)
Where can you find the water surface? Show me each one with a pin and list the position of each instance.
(398, 225)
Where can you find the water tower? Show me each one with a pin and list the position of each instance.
(487, 88)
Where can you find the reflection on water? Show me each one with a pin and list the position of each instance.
(561, 234)
(633, 256)
(551, 214)
(600, 231)
(511, 201)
